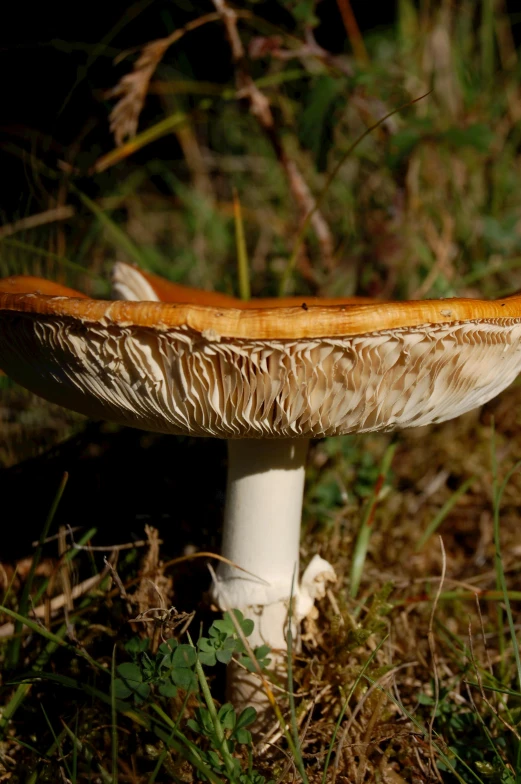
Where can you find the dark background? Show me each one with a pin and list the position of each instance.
(57, 61)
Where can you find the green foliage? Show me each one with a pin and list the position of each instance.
(355, 633)
(477, 136)
(350, 454)
(176, 667)
(303, 11)
(317, 120)
(456, 724)
(234, 726)
(234, 729)
(172, 667)
(224, 641)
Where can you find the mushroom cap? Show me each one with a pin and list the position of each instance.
(26, 284)
(305, 371)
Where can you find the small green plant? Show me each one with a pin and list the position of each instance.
(360, 627)
(172, 667)
(235, 733)
(223, 642)
(177, 667)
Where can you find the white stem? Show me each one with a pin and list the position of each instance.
(262, 535)
(262, 527)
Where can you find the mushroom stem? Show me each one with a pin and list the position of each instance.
(262, 535)
(262, 520)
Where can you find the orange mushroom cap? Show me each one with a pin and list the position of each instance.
(262, 371)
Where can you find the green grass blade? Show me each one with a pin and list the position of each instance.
(161, 128)
(57, 741)
(13, 651)
(164, 753)
(345, 705)
(82, 748)
(366, 527)
(189, 755)
(486, 36)
(299, 762)
(497, 690)
(61, 260)
(36, 627)
(181, 744)
(242, 253)
(113, 714)
(24, 688)
(500, 572)
(117, 235)
(444, 511)
(210, 704)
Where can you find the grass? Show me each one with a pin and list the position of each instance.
(404, 676)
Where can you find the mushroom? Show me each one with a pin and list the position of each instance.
(267, 380)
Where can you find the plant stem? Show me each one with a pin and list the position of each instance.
(14, 648)
(242, 254)
(219, 732)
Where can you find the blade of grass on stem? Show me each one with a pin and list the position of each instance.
(366, 527)
(23, 689)
(113, 715)
(444, 511)
(82, 748)
(210, 704)
(118, 236)
(63, 262)
(242, 253)
(36, 627)
(14, 647)
(498, 491)
(299, 762)
(57, 743)
(164, 753)
(345, 705)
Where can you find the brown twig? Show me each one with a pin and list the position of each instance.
(57, 602)
(40, 219)
(105, 548)
(272, 45)
(64, 569)
(259, 106)
(353, 31)
(205, 554)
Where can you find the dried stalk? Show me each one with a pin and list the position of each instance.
(62, 212)
(57, 602)
(259, 106)
(132, 88)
